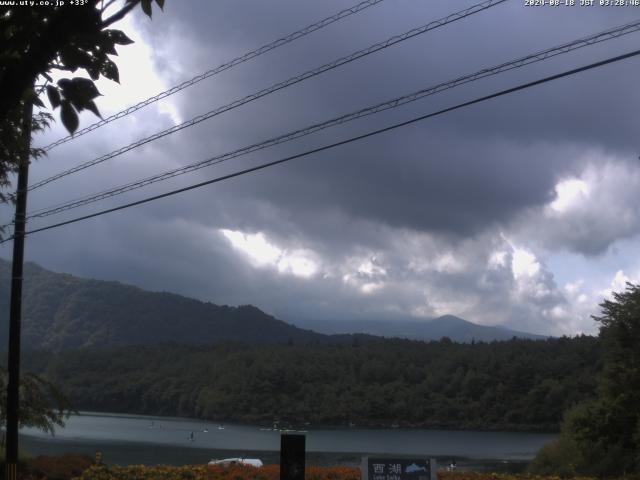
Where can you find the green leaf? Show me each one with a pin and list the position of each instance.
(92, 107)
(80, 90)
(118, 37)
(54, 96)
(69, 117)
(146, 7)
(110, 71)
(93, 72)
(87, 86)
(73, 57)
(79, 93)
(160, 4)
(37, 102)
(108, 45)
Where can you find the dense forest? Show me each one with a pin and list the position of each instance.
(514, 385)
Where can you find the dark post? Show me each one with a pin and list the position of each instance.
(13, 362)
(292, 450)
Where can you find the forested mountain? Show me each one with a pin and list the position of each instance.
(513, 385)
(61, 311)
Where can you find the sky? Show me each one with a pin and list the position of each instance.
(521, 211)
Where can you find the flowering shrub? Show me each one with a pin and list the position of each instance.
(43, 467)
(211, 472)
(497, 476)
(268, 472)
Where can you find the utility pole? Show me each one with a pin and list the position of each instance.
(15, 315)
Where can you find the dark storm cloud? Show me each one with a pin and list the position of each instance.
(426, 204)
(457, 174)
(562, 111)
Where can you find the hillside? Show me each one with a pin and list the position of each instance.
(61, 311)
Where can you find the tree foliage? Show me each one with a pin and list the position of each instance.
(43, 405)
(514, 385)
(37, 40)
(605, 431)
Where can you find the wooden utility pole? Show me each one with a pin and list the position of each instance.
(15, 315)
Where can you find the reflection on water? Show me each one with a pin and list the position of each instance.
(153, 440)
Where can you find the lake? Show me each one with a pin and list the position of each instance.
(128, 439)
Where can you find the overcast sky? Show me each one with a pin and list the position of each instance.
(522, 211)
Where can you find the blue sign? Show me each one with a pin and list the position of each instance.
(393, 468)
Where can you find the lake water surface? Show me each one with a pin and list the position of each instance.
(153, 440)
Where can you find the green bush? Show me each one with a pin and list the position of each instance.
(559, 457)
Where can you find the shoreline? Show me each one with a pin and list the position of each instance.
(127, 438)
(409, 427)
(120, 453)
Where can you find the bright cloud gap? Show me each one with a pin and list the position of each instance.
(262, 254)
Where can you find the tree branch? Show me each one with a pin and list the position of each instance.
(58, 67)
(120, 14)
(103, 7)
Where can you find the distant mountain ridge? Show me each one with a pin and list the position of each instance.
(61, 311)
(449, 326)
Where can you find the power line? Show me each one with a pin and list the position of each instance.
(396, 102)
(279, 86)
(221, 68)
(343, 142)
